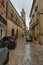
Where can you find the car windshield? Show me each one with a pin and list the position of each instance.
(28, 37)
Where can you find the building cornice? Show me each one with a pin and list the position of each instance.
(15, 22)
(15, 10)
(32, 7)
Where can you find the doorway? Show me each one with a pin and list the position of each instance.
(12, 32)
(0, 34)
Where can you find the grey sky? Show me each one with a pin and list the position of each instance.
(26, 4)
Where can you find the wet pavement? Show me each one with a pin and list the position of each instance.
(26, 54)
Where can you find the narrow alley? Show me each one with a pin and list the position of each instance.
(21, 21)
(26, 53)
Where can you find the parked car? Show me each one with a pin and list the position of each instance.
(4, 54)
(28, 39)
(9, 41)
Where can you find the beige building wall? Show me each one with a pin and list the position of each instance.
(14, 21)
(3, 26)
(37, 22)
(20, 32)
(10, 26)
(3, 9)
(41, 28)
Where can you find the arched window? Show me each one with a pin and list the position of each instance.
(0, 34)
(36, 8)
(12, 32)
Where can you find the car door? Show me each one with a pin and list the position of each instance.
(3, 54)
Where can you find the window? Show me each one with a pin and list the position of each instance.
(33, 16)
(12, 32)
(0, 33)
(11, 16)
(36, 8)
(3, 2)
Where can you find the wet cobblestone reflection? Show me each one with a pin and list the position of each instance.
(26, 54)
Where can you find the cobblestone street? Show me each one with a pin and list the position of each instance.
(26, 54)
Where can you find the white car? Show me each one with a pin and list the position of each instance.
(4, 54)
(28, 38)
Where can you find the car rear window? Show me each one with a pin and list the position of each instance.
(6, 38)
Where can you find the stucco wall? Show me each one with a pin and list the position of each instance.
(41, 27)
(10, 26)
(3, 28)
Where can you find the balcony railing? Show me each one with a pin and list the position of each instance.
(2, 20)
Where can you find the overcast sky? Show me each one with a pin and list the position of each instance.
(26, 4)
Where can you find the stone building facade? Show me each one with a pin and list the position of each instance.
(36, 22)
(14, 21)
(14, 24)
(3, 21)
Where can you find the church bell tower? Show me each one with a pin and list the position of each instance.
(23, 15)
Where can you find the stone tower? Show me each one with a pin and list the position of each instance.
(23, 15)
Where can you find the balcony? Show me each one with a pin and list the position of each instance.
(2, 20)
(35, 23)
(35, 20)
